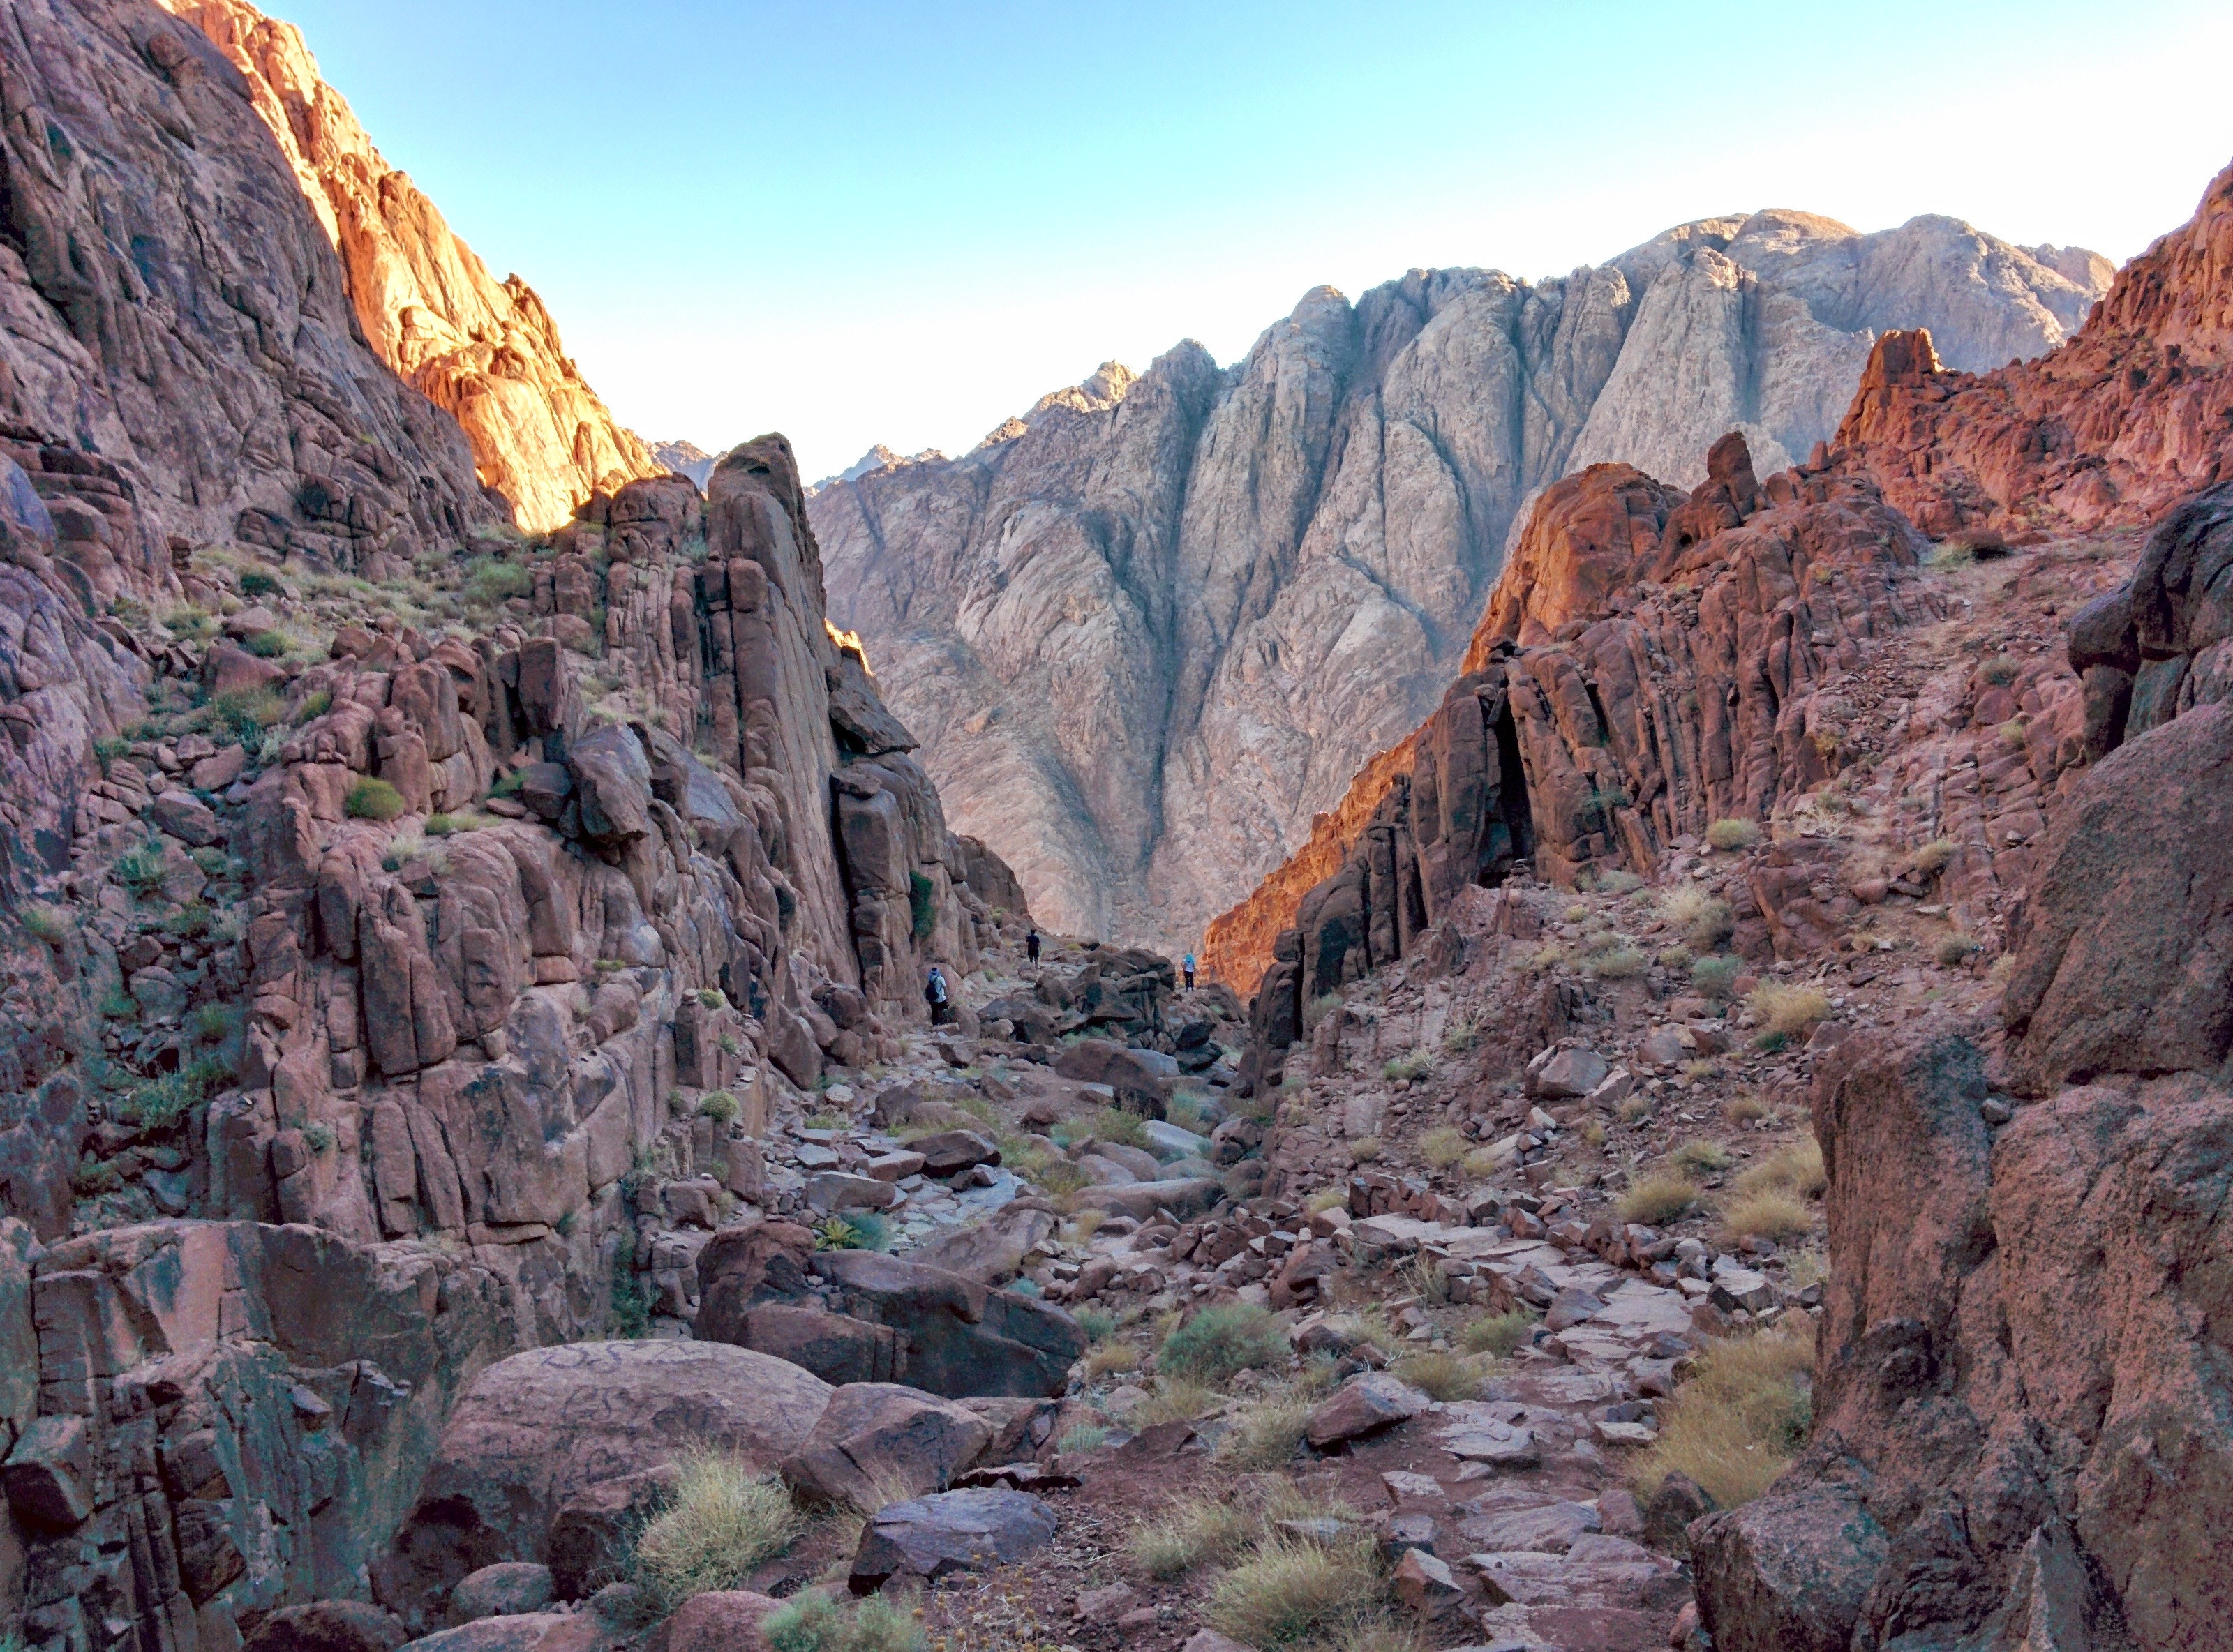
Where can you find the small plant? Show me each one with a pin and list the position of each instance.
(723, 1520)
(922, 905)
(509, 785)
(1175, 1400)
(315, 703)
(2001, 670)
(117, 1004)
(45, 923)
(1616, 964)
(1797, 1170)
(1659, 1199)
(191, 921)
(1086, 1436)
(1593, 1133)
(1788, 1012)
(1459, 1037)
(1440, 1376)
(143, 869)
(713, 998)
(1416, 1064)
(1735, 1425)
(372, 800)
(1192, 1531)
(1747, 1109)
(1481, 1163)
(1634, 1109)
(256, 582)
(491, 581)
(318, 1136)
(1098, 1324)
(1731, 834)
(267, 645)
(1716, 978)
(719, 1106)
(1364, 1149)
(856, 1230)
(1318, 1009)
(1934, 856)
(1497, 1334)
(2015, 733)
(1108, 1359)
(1266, 1434)
(1701, 1158)
(1219, 1343)
(1442, 1146)
(1769, 1215)
(1955, 949)
(1288, 1591)
(1324, 1199)
(245, 713)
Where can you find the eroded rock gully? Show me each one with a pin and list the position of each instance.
(1150, 630)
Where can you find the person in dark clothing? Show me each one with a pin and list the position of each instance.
(1188, 965)
(1031, 944)
(933, 990)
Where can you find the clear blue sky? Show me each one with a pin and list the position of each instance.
(900, 223)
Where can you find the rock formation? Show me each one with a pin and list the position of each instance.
(1149, 629)
(486, 351)
(2107, 431)
(684, 459)
(209, 384)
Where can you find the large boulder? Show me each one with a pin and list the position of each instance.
(881, 1442)
(962, 1338)
(991, 1251)
(1138, 1079)
(537, 1428)
(931, 1537)
(325, 1626)
(740, 1268)
(2124, 946)
(837, 1348)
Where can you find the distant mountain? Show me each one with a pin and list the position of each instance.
(1147, 630)
(684, 459)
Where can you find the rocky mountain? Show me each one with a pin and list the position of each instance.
(684, 458)
(1149, 630)
(486, 351)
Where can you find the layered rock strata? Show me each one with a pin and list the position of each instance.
(179, 363)
(1652, 662)
(485, 351)
(1147, 631)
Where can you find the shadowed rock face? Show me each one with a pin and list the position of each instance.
(485, 351)
(1147, 631)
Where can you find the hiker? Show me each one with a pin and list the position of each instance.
(1031, 944)
(934, 990)
(1187, 964)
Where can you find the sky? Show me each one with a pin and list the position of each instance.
(902, 223)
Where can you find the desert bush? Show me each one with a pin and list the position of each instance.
(1190, 1532)
(856, 1230)
(1107, 1357)
(2001, 670)
(1497, 1334)
(315, 703)
(372, 800)
(811, 1621)
(1735, 1426)
(922, 905)
(1319, 1008)
(1616, 964)
(1175, 1400)
(1324, 1199)
(1733, 834)
(1417, 1064)
(45, 923)
(1593, 1133)
(267, 645)
(719, 1105)
(1788, 1012)
(491, 581)
(1633, 1110)
(1218, 1342)
(1769, 1215)
(1364, 1149)
(1098, 1324)
(1458, 1036)
(245, 713)
(1442, 1146)
(1085, 1436)
(1482, 1164)
(1659, 1199)
(1716, 978)
(1701, 1158)
(1745, 1109)
(1286, 1591)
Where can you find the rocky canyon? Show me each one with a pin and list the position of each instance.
(1149, 630)
(546, 1106)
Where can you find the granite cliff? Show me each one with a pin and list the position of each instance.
(1147, 630)
(485, 351)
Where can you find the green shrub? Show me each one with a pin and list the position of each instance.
(213, 1023)
(267, 645)
(315, 703)
(1497, 1334)
(923, 903)
(372, 800)
(1733, 834)
(191, 921)
(1417, 1064)
(508, 784)
(1086, 1436)
(492, 580)
(719, 1105)
(142, 869)
(245, 713)
(1615, 964)
(1290, 1591)
(1219, 1343)
(256, 582)
(856, 1230)
(631, 1301)
(318, 1136)
(46, 923)
(1716, 978)
(1098, 1324)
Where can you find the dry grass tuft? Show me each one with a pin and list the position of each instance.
(1785, 1010)
(1175, 1400)
(1442, 1146)
(1745, 1109)
(1733, 834)
(1192, 1531)
(1109, 1357)
(1775, 1216)
(1440, 1376)
(1616, 964)
(1701, 1158)
(1659, 1199)
(1364, 1149)
(725, 1519)
(1703, 920)
(1266, 1433)
(1497, 1334)
(1287, 1593)
(1797, 1170)
(1735, 1426)
(1417, 1064)
(1934, 855)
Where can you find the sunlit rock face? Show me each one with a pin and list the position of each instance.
(485, 350)
(1147, 630)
